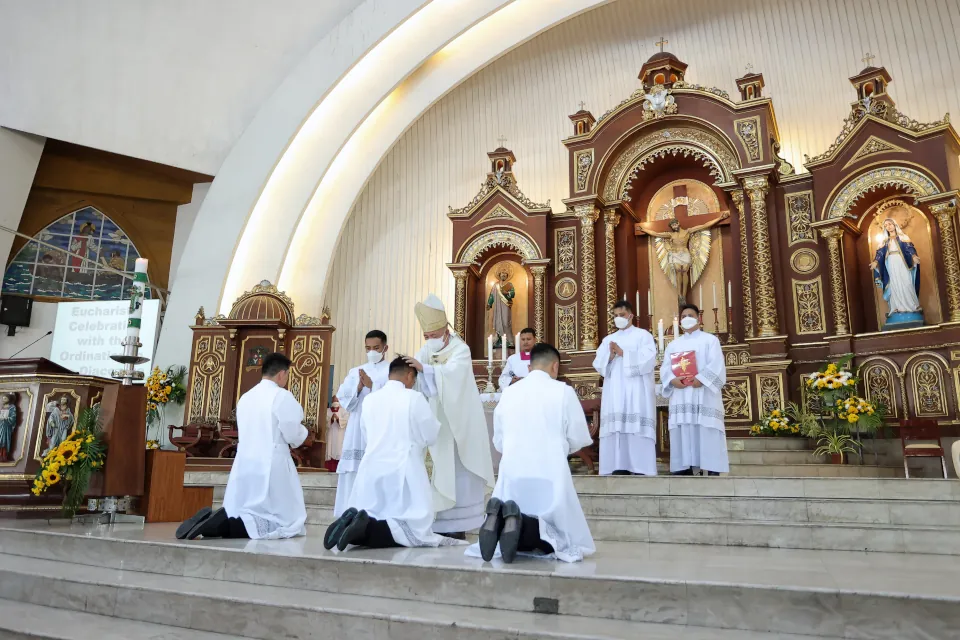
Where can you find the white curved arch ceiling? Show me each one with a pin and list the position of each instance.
(806, 52)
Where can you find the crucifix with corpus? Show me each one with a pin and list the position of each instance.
(679, 264)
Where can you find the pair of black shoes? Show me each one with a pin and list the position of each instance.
(205, 522)
(346, 530)
(503, 526)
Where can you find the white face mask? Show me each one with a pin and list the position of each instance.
(374, 356)
(688, 323)
(621, 322)
(434, 344)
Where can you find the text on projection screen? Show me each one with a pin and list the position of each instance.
(86, 334)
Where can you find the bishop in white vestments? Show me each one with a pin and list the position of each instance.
(698, 438)
(518, 365)
(534, 509)
(264, 498)
(392, 502)
(360, 382)
(628, 414)
(462, 463)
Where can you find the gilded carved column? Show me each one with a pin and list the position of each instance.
(611, 219)
(757, 189)
(744, 267)
(460, 303)
(539, 313)
(588, 215)
(832, 235)
(945, 213)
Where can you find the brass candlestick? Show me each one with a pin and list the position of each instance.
(489, 388)
(651, 322)
(731, 338)
(716, 322)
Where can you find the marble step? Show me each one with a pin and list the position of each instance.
(770, 444)
(775, 456)
(23, 621)
(268, 612)
(776, 470)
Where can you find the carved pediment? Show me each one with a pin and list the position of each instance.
(497, 182)
(872, 147)
(498, 213)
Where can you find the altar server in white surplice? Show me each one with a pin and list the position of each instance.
(392, 502)
(697, 435)
(518, 365)
(360, 382)
(628, 414)
(462, 464)
(263, 497)
(534, 508)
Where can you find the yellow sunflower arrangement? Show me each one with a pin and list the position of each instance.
(73, 460)
(775, 424)
(852, 409)
(163, 387)
(831, 378)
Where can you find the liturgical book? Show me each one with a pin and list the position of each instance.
(684, 364)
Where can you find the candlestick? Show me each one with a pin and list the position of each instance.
(700, 319)
(649, 301)
(701, 297)
(516, 343)
(716, 322)
(503, 349)
(131, 342)
(660, 333)
(489, 388)
(714, 294)
(676, 327)
(729, 294)
(490, 350)
(731, 338)
(637, 310)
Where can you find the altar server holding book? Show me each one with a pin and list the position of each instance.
(693, 373)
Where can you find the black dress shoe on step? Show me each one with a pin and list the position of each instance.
(193, 521)
(490, 530)
(335, 530)
(355, 531)
(510, 536)
(210, 527)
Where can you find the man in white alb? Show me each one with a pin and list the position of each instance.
(360, 382)
(264, 498)
(462, 464)
(392, 501)
(698, 438)
(534, 508)
(626, 360)
(519, 363)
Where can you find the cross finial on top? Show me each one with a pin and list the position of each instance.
(867, 58)
(501, 140)
(661, 42)
(749, 67)
(582, 105)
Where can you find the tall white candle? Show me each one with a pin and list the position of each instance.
(701, 295)
(516, 343)
(490, 350)
(637, 309)
(503, 348)
(676, 327)
(650, 301)
(660, 333)
(729, 294)
(715, 295)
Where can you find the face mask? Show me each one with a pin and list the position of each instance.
(621, 322)
(434, 344)
(688, 323)
(373, 356)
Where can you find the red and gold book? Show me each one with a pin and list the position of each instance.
(684, 364)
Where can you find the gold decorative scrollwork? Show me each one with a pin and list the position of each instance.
(879, 388)
(539, 314)
(872, 147)
(586, 390)
(460, 302)
(499, 238)
(565, 289)
(804, 260)
(566, 327)
(498, 213)
(757, 189)
(799, 216)
(582, 161)
(945, 214)
(707, 145)
(906, 177)
(770, 387)
(929, 394)
(588, 215)
(839, 294)
(737, 197)
(566, 250)
(611, 219)
(505, 182)
(811, 401)
(748, 130)
(736, 399)
(808, 306)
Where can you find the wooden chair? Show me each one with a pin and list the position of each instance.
(921, 438)
(592, 410)
(192, 436)
(231, 435)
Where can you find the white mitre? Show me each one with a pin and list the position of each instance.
(431, 314)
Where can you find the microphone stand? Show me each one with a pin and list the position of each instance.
(30, 345)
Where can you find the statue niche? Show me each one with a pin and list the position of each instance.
(506, 302)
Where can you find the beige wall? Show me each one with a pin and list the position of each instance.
(393, 249)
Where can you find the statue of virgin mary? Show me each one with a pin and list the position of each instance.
(896, 270)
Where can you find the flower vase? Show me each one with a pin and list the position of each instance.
(156, 422)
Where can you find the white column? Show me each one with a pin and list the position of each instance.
(19, 157)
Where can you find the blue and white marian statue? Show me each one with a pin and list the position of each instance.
(896, 270)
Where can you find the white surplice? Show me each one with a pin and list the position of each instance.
(392, 482)
(697, 434)
(628, 412)
(263, 488)
(537, 424)
(462, 464)
(353, 443)
(516, 366)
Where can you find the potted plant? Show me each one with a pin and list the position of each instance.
(73, 461)
(835, 445)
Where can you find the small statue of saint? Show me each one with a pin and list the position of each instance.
(8, 424)
(500, 303)
(679, 261)
(896, 270)
(60, 421)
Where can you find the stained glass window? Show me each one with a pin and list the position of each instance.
(43, 267)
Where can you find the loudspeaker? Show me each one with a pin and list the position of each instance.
(15, 311)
